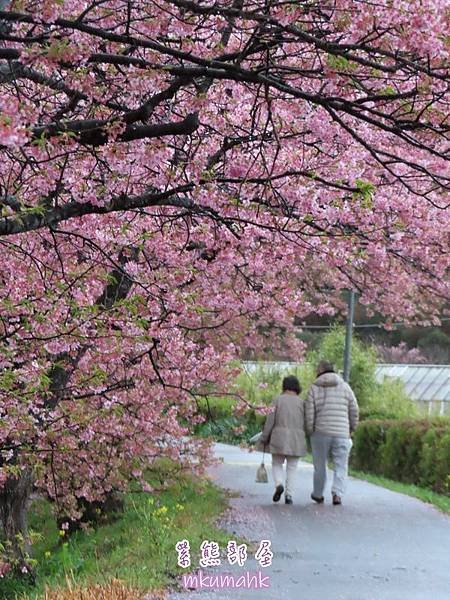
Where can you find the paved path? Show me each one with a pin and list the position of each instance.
(379, 545)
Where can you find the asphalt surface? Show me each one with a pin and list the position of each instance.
(379, 545)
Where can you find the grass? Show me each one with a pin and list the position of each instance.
(115, 590)
(136, 552)
(438, 500)
(138, 548)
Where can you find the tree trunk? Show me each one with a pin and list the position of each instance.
(14, 500)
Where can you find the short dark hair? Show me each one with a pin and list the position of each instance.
(291, 384)
(325, 366)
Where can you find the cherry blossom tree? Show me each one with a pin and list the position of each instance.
(400, 354)
(178, 176)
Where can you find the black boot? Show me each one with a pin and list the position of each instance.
(316, 499)
(278, 491)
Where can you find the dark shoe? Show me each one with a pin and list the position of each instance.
(336, 499)
(316, 499)
(288, 499)
(278, 491)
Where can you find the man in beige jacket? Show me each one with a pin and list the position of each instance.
(331, 416)
(284, 436)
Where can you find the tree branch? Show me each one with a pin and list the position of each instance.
(41, 217)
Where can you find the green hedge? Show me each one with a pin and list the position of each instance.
(416, 452)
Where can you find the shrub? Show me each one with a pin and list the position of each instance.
(428, 458)
(443, 463)
(368, 439)
(388, 400)
(410, 451)
(232, 430)
(400, 456)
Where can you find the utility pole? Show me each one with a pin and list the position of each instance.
(348, 335)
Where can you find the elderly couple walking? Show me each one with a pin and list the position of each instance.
(329, 415)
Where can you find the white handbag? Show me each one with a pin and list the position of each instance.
(261, 474)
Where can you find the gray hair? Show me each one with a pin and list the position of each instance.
(325, 366)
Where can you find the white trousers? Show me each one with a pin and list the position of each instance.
(277, 470)
(339, 448)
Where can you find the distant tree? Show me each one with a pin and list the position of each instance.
(435, 346)
(399, 354)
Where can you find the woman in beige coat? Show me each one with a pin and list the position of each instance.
(284, 436)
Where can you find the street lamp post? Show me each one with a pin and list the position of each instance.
(348, 335)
